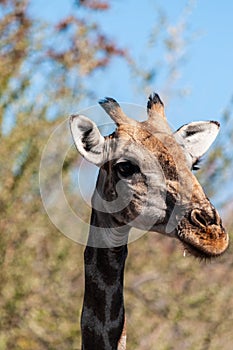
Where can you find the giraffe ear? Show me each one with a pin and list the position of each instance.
(87, 138)
(197, 137)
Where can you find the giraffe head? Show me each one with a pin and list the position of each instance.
(146, 180)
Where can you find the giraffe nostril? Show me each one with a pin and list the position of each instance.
(198, 218)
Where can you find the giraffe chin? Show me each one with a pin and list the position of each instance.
(198, 253)
(203, 252)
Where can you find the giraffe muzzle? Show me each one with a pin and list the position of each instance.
(203, 236)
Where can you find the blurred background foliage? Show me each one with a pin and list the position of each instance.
(171, 302)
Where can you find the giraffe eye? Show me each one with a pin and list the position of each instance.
(127, 169)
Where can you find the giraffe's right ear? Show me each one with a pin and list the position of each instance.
(87, 138)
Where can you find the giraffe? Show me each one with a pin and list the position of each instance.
(145, 181)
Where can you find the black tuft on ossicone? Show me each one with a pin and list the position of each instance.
(154, 99)
(108, 102)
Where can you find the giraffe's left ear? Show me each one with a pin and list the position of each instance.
(197, 137)
(87, 138)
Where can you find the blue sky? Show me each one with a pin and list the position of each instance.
(207, 68)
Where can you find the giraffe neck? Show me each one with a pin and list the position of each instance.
(103, 318)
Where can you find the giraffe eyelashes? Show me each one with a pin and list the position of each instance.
(126, 169)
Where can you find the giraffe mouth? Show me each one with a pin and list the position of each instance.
(195, 251)
(204, 249)
(202, 238)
